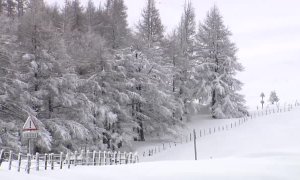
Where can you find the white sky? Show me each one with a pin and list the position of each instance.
(267, 33)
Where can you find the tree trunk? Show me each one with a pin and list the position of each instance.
(141, 131)
(213, 102)
(50, 106)
(1, 7)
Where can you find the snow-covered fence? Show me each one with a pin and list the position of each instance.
(53, 161)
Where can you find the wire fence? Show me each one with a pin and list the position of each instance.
(53, 161)
(201, 133)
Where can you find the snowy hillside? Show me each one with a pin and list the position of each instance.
(266, 147)
(271, 135)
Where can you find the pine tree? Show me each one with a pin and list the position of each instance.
(186, 34)
(219, 53)
(273, 97)
(150, 26)
(118, 27)
(74, 19)
(90, 14)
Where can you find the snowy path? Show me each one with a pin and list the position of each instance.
(266, 148)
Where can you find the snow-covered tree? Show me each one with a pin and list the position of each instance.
(74, 19)
(273, 97)
(219, 54)
(92, 82)
(90, 14)
(150, 26)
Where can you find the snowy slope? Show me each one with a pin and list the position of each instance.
(270, 135)
(266, 148)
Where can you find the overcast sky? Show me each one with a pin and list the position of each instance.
(266, 32)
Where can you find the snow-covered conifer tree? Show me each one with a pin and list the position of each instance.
(150, 26)
(219, 54)
(273, 97)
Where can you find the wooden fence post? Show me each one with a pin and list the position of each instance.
(109, 157)
(99, 158)
(9, 160)
(61, 160)
(37, 160)
(19, 161)
(104, 157)
(119, 157)
(94, 158)
(126, 158)
(130, 157)
(69, 159)
(87, 157)
(46, 161)
(195, 144)
(82, 157)
(28, 163)
(52, 161)
(1, 154)
(115, 157)
(75, 158)
(136, 158)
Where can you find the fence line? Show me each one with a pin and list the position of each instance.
(53, 161)
(212, 130)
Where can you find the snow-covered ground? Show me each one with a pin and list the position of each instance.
(266, 148)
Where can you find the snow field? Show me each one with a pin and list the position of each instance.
(265, 148)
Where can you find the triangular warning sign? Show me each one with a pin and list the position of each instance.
(29, 124)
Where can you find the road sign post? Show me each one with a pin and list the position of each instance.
(30, 131)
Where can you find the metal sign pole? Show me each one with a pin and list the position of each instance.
(29, 146)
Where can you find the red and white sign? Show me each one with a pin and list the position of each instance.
(30, 124)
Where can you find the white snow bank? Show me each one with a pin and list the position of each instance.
(260, 168)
